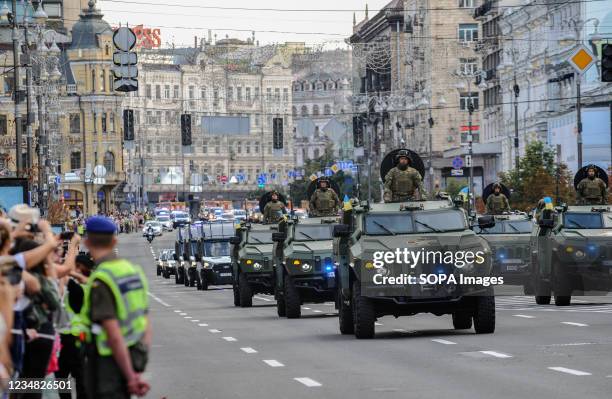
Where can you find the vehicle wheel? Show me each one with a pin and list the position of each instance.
(484, 315)
(462, 320)
(192, 278)
(181, 277)
(159, 271)
(281, 308)
(562, 290)
(345, 317)
(542, 299)
(166, 274)
(236, 295)
(246, 294)
(186, 278)
(363, 314)
(176, 278)
(293, 304)
(543, 292)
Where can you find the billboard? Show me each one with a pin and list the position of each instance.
(146, 38)
(226, 125)
(13, 192)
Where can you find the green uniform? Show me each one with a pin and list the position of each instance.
(116, 290)
(400, 184)
(274, 211)
(592, 191)
(497, 204)
(324, 202)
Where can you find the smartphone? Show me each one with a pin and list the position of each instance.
(66, 235)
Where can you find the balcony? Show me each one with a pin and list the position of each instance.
(484, 9)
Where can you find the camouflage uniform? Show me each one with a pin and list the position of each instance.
(497, 204)
(400, 185)
(324, 202)
(273, 212)
(592, 191)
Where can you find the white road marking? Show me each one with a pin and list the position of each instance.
(330, 314)
(573, 344)
(570, 323)
(444, 342)
(214, 331)
(177, 311)
(378, 324)
(496, 354)
(317, 311)
(273, 363)
(400, 330)
(158, 300)
(183, 314)
(309, 382)
(230, 339)
(305, 308)
(194, 321)
(263, 299)
(188, 317)
(248, 350)
(524, 316)
(569, 371)
(203, 325)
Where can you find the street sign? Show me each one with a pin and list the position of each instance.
(468, 161)
(233, 180)
(223, 179)
(456, 172)
(125, 71)
(99, 171)
(457, 163)
(122, 58)
(124, 38)
(582, 59)
(125, 85)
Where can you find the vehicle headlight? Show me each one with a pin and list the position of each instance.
(579, 254)
(306, 267)
(206, 265)
(257, 266)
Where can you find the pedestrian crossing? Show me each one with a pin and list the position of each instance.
(581, 304)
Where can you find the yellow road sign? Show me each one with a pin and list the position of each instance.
(581, 59)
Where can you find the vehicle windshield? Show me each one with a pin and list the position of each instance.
(216, 248)
(260, 237)
(439, 221)
(163, 218)
(389, 224)
(583, 220)
(507, 227)
(313, 232)
(407, 223)
(239, 212)
(153, 224)
(180, 215)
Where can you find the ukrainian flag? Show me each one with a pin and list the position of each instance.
(347, 203)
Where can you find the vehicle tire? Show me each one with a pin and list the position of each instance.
(166, 274)
(345, 317)
(542, 299)
(186, 277)
(462, 320)
(281, 308)
(484, 315)
(246, 294)
(181, 276)
(193, 278)
(159, 272)
(542, 288)
(236, 295)
(364, 316)
(293, 304)
(562, 289)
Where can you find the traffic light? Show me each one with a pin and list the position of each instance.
(606, 62)
(186, 129)
(277, 138)
(128, 125)
(357, 132)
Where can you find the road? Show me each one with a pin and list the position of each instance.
(204, 347)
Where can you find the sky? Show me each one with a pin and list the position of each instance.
(180, 21)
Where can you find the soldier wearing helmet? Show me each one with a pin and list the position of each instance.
(592, 190)
(324, 201)
(274, 210)
(402, 180)
(497, 203)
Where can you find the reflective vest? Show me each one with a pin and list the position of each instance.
(77, 327)
(129, 286)
(80, 229)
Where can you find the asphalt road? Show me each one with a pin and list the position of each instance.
(204, 347)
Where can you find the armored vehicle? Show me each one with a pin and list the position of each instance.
(374, 279)
(572, 252)
(252, 265)
(212, 251)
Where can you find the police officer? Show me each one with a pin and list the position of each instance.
(591, 189)
(324, 201)
(403, 180)
(274, 209)
(115, 313)
(497, 203)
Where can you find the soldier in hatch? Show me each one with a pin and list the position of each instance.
(592, 190)
(324, 201)
(274, 210)
(497, 203)
(402, 181)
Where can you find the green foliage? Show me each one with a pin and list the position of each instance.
(454, 186)
(538, 176)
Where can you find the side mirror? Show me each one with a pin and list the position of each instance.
(235, 240)
(341, 230)
(486, 222)
(279, 237)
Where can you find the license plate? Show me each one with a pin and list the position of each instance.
(511, 268)
(512, 261)
(225, 274)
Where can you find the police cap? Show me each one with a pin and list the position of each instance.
(100, 225)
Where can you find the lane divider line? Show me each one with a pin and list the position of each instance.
(444, 342)
(214, 331)
(317, 311)
(309, 382)
(230, 339)
(377, 324)
(183, 314)
(188, 317)
(569, 371)
(158, 300)
(571, 323)
(496, 354)
(273, 363)
(194, 321)
(203, 325)
(248, 350)
(524, 316)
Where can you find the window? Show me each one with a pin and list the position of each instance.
(247, 147)
(319, 86)
(176, 93)
(216, 96)
(467, 66)
(297, 86)
(158, 117)
(327, 109)
(316, 153)
(239, 93)
(468, 32)
(157, 92)
(294, 112)
(166, 91)
(304, 111)
(75, 160)
(315, 110)
(217, 147)
(104, 122)
(112, 122)
(238, 147)
(147, 91)
(191, 92)
(53, 10)
(93, 80)
(285, 94)
(109, 161)
(248, 94)
(269, 94)
(277, 96)
(230, 94)
(256, 148)
(466, 3)
(256, 93)
(205, 147)
(3, 125)
(203, 94)
(75, 123)
(465, 98)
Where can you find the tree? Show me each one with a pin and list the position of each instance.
(538, 176)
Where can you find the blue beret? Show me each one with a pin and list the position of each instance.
(100, 225)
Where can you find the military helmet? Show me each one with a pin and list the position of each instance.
(403, 154)
(323, 180)
(584, 172)
(497, 185)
